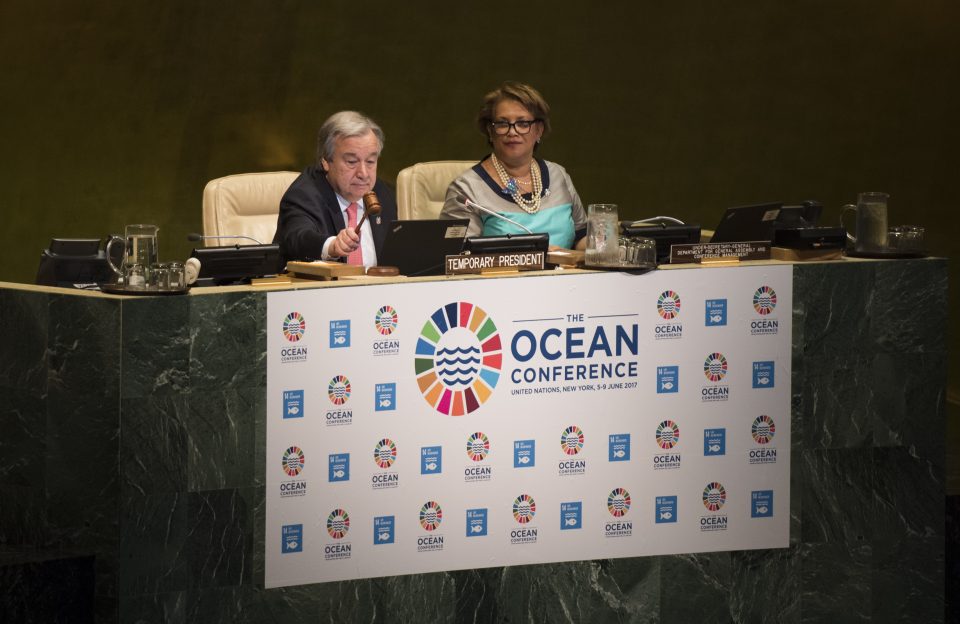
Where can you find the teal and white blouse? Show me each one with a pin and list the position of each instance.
(561, 214)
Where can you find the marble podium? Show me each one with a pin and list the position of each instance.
(132, 486)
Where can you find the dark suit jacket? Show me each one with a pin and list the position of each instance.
(310, 214)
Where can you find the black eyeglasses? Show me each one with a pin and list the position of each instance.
(522, 126)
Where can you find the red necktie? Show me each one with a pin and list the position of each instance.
(354, 257)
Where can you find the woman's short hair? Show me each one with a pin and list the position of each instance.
(526, 95)
(344, 124)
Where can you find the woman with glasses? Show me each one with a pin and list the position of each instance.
(511, 182)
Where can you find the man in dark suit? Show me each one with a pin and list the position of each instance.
(320, 210)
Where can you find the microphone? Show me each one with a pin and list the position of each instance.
(193, 236)
(467, 202)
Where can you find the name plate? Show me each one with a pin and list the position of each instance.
(472, 264)
(714, 252)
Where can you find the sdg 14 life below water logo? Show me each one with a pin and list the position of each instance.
(458, 358)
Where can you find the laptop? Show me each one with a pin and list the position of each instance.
(420, 247)
(760, 222)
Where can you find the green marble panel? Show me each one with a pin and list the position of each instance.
(236, 605)
(910, 390)
(27, 577)
(839, 503)
(23, 516)
(633, 586)
(839, 403)
(228, 341)
(219, 544)
(82, 431)
(24, 326)
(696, 588)
(908, 314)
(829, 302)
(154, 534)
(220, 426)
(907, 580)
(796, 452)
(618, 590)
(765, 586)
(835, 583)
(156, 346)
(908, 492)
(154, 444)
(23, 426)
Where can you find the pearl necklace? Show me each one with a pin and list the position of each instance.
(531, 206)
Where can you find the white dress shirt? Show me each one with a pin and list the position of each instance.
(366, 235)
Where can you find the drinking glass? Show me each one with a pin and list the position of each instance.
(603, 242)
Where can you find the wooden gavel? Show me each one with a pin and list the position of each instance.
(371, 206)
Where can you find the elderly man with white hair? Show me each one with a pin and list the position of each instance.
(320, 210)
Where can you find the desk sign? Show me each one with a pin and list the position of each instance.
(706, 252)
(468, 264)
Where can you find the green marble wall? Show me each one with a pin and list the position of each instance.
(132, 454)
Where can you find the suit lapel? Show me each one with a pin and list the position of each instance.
(330, 203)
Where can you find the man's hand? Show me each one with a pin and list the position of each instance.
(346, 241)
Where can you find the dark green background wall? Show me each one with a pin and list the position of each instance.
(117, 112)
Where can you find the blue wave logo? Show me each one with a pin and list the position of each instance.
(458, 366)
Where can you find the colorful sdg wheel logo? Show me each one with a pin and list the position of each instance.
(478, 446)
(294, 326)
(431, 516)
(386, 320)
(668, 434)
(668, 305)
(618, 502)
(763, 429)
(338, 390)
(458, 358)
(571, 440)
(385, 453)
(714, 496)
(764, 300)
(293, 461)
(338, 523)
(524, 508)
(715, 367)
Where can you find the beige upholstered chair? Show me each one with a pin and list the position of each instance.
(246, 204)
(422, 187)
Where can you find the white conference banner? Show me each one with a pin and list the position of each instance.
(465, 424)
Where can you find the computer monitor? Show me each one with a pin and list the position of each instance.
(421, 246)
